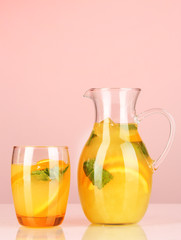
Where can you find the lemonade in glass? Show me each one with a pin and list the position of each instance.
(40, 179)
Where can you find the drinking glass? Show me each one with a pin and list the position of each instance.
(40, 180)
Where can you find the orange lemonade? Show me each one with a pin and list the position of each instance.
(40, 192)
(115, 174)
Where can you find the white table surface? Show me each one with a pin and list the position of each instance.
(162, 221)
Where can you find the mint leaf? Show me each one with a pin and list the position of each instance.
(49, 174)
(93, 135)
(101, 181)
(143, 148)
(88, 166)
(129, 126)
(140, 146)
(64, 170)
(41, 174)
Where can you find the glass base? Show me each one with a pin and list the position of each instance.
(40, 221)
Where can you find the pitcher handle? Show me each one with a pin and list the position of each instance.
(149, 112)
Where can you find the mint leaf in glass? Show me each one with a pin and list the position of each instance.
(41, 174)
(48, 174)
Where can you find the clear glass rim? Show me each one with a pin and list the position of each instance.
(120, 89)
(33, 146)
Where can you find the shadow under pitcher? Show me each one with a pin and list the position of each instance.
(115, 169)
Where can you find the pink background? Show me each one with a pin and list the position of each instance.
(51, 52)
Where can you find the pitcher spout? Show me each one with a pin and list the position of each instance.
(89, 93)
(118, 104)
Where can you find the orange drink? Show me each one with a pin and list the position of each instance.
(115, 174)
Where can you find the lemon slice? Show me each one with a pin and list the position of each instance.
(132, 176)
(50, 190)
(40, 206)
(47, 163)
(40, 165)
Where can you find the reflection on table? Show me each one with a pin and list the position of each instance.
(114, 232)
(55, 233)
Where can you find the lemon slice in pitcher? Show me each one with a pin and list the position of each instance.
(132, 178)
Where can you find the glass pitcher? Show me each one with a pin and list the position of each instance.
(115, 169)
